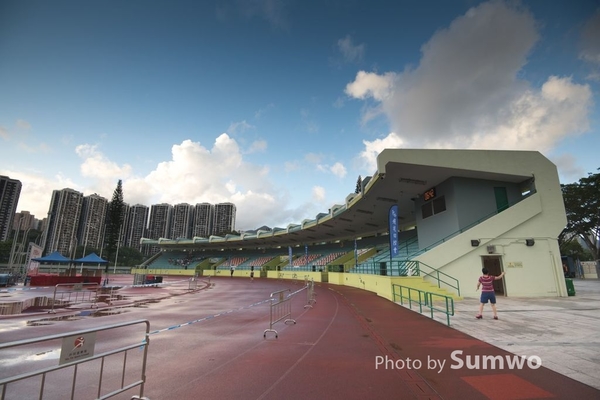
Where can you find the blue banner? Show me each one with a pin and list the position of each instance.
(393, 226)
(290, 255)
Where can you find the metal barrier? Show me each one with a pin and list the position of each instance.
(76, 349)
(310, 292)
(139, 279)
(75, 293)
(423, 298)
(281, 309)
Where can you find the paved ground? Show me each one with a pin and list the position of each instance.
(563, 332)
(209, 343)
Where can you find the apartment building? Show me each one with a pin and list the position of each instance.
(224, 218)
(10, 190)
(92, 222)
(182, 221)
(203, 220)
(135, 226)
(64, 215)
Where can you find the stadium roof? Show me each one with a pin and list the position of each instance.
(402, 176)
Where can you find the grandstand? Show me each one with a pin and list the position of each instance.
(457, 211)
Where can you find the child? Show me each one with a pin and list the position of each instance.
(486, 282)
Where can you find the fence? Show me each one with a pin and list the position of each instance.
(76, 352)
(280, 310)
(423, 298)
(310, 293)
(75, 293)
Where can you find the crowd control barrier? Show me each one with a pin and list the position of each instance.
(77, 360)
(280, 310)
(66, 294)
(310, 293)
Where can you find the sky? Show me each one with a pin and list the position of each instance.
(279, 106)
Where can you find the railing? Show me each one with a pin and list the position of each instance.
(437, 276)
(77, 348)
(280, 310)
(423, 298)
(310, 293)
(75, 293)
(408, 268)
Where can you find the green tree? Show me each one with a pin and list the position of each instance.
(114, 222)
(358, 185)
(573, 249)
(582, 204)
(129, 257)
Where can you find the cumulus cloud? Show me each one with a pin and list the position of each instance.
(466, 92)
(338, 170)
(272, 11)
(318, 194)
(36, 190)
(350, 52)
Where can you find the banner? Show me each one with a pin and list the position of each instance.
(290, 256)
(35, 251)
(393, 227)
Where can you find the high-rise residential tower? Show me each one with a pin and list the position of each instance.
(224, 218)
(203, 220)
(182, 221)
(60, 233)
(135, 226)
(160, 223)
(92, 222)
(10, 190)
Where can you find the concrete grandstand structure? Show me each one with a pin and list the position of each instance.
(458, 210)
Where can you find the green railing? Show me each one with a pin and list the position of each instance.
(440, 277)
(393, 268)
(423, 298)
(408, 268)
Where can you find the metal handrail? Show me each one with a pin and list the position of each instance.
(424, 299)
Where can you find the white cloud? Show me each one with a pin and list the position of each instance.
(36, 190)
(96, 165)
(318, 193)
(259, 114)
(338, 170)
(238, 127)
(367, 159)
(258, 146)
(4, 134)
(466, 92)
(350, 51)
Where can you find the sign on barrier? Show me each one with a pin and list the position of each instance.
(41, 378)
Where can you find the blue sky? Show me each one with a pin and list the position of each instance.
(279, 106)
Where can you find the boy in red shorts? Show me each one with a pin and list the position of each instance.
(486, 282)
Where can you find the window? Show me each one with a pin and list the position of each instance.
(436, 206)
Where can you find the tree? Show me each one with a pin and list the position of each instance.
(358, 185)
(114, 221)
(582, 204)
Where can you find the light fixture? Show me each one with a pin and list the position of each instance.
(475, 242)
(529, 242)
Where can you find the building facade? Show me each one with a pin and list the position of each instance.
(64, 214)
(10, 190)
(224, 219)
(135, 226)
(203, 220)
(91, 223)
(182, 221)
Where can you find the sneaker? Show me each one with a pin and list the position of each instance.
(495, 317)
(480, 316)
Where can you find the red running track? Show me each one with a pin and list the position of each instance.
(330, 353)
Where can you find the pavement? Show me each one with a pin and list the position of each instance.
(562, 331)
(351, 344)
